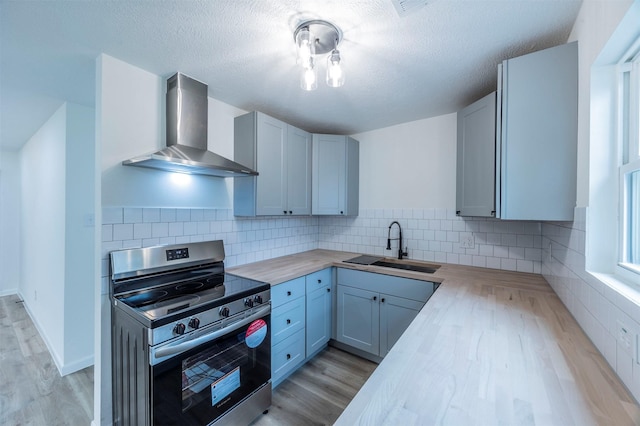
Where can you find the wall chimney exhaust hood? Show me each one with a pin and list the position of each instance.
(186, 151)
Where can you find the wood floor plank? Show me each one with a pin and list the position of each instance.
(319, 391)
(32, 391)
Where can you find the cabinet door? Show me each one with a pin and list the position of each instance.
(329, 174)
(318, 318)
(396, 313)
(298, 171)
(475, 183)
(539, 134)
(271, 191)
(358, 319)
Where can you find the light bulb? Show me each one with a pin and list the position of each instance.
(335, 73)
(305, 45)
(309, 77)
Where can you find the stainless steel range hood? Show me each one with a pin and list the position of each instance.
(186, 151)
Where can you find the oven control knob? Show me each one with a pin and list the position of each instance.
(179, 328)
(248, 303)
(194, 323)
(224, 312)
(258, 299)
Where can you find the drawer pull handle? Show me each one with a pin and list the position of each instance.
(375, 298)
(288, 293)
(328, 290)
(288, 321)
(382, 300)
(319, 281)
(288, 356)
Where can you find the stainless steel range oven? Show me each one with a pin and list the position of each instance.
(191, 345)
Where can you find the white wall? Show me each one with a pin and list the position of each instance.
(9, 222)
(79, 238)
(43, 162)
(56, 234)
(411, 165)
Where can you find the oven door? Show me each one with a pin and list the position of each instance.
(199, 385)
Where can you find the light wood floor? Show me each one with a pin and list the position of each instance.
(319, 391)
(31, 389)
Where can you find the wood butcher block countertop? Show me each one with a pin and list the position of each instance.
(490, 347)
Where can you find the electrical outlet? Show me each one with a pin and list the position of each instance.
(467, 241)
(624, 337)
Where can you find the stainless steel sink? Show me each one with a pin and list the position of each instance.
(406, 265)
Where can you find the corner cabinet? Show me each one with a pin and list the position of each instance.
(335, 176)
(531, 156)
(281, 154)
(373, 310)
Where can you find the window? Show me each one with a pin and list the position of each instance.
(629, 132)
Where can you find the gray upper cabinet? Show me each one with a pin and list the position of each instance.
(335, 176)
(535, 145)
(281, 154)
(475, 183)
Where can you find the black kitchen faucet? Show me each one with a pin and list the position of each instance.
(400, 252)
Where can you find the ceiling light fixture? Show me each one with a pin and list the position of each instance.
(314, 38)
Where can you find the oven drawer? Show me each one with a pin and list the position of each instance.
(286, 356)
(287, 291)
(287, 319)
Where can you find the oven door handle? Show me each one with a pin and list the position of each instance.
(182, 347)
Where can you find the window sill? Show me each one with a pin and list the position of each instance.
(621, 285)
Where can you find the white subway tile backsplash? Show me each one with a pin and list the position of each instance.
(107, 233)
(595, 306)
(111, 215)
(123, 231)
(159, 230)
(168, 215)
(132, 215)
(151, 215)
(183, 215)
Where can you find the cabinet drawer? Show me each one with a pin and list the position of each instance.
(287, 291)
(287, 355)
(287, 319)
(318, 280)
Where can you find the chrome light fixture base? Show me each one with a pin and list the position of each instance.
(326, 35)
(313, 38)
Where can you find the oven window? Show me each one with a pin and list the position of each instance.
(202, 384)
(213, 373)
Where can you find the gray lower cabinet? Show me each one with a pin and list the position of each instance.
(288, 321)
(318, 286)
(281, 154)
(373, 310)
(335, 175)
(301, 321)
(396, 313)
(359, 318)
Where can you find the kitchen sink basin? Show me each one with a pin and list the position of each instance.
(405, 265)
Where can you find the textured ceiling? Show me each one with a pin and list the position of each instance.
(431, 61)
